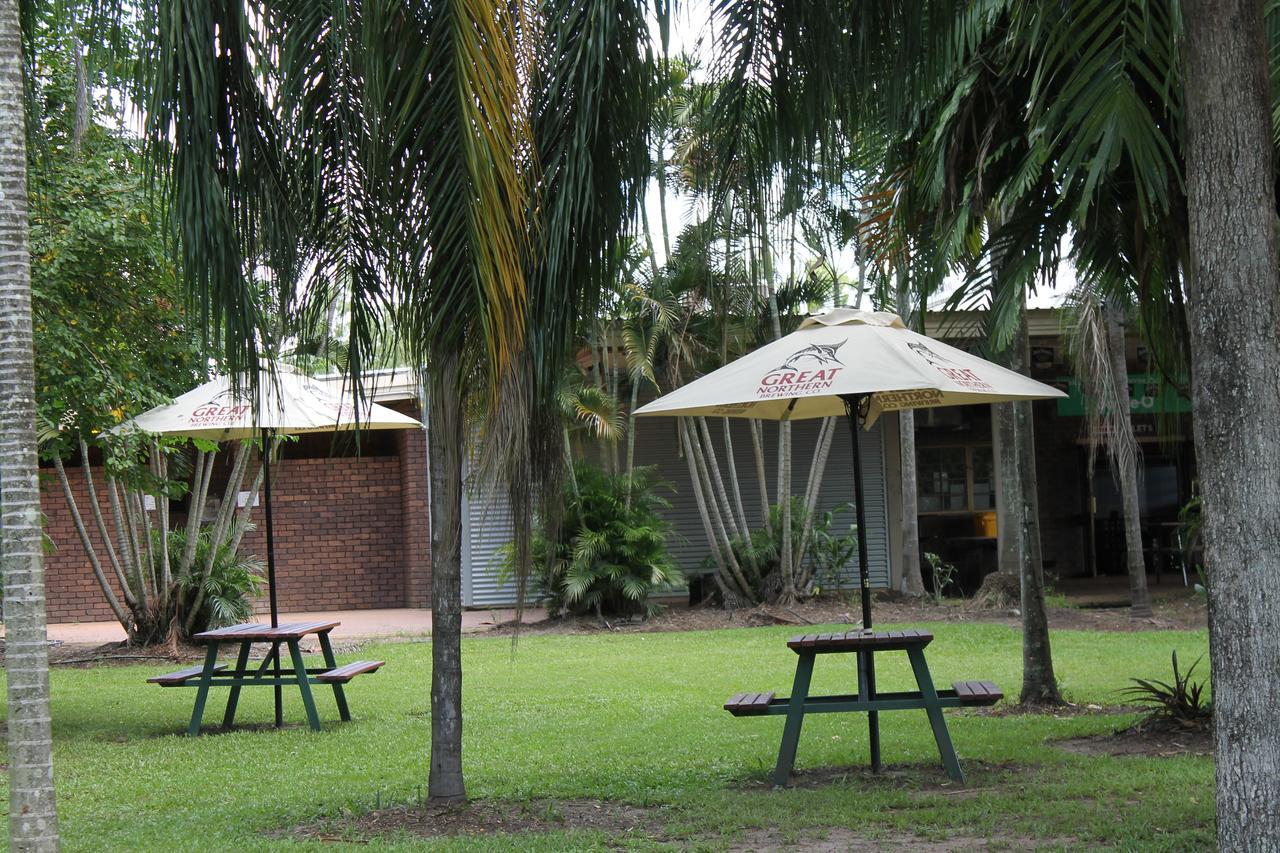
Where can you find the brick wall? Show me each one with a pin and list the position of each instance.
(72, 594)
(412, 446)
(351, 533)
(338, 533)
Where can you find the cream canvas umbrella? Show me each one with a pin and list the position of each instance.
(855, 363)
(287, 403)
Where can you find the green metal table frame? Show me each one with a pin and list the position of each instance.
(927, 697)
(265, 674)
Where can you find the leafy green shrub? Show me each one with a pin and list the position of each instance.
(819, 561)
(610, 556)
(223, 596)
(1182, 703)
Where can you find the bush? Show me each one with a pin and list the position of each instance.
(820, 561)
(609, 557)
(222, 597)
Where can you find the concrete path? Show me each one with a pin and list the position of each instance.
(399, 622)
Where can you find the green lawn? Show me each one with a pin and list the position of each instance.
(634, 718)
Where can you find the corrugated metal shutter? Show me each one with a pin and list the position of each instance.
(657, 444)
(837, 488)
(486, 529)
(487, 514)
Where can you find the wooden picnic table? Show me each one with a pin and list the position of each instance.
(269, 673)
(863, 643)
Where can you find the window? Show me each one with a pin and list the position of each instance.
(955, 479)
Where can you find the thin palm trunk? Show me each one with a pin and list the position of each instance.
(719, 527)
(445, 448)
(738, 508)
(762, 479)
(1126, 465)
(33, 814)
(912, 580)
(812, 492)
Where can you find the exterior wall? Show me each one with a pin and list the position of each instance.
(1060, 478)
(338, 533)
(351, 533)
(415, 513)
(893, 496)
(72, 593)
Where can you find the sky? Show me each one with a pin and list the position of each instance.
(692, 33)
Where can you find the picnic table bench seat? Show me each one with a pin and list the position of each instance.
(343, 674)
(977, 692)
(182, 676)
(749, 704)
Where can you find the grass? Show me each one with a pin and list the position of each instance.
(634, 718)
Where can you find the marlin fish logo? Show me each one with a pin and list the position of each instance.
(929, 355)
(814, 355)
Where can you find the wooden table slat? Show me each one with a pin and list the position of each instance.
(259, 632)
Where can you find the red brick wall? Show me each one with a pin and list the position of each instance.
(72, 594)
(348, 536)
(412, 447)
(338, 533)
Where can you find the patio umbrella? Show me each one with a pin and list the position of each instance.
(287, 403)
(855, 363)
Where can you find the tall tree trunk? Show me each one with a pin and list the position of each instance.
(33, 814)
(762, 477)
(1018, 515)
(445, 448)
(1233, 291)
(912, 581)
(662, 196)
(1126, 464)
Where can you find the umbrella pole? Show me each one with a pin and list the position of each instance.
(271, 570)
(852, 402)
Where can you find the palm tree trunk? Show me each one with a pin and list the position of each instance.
(662, 195)
(33, 814)
(96, 509)
(1019, 525)
(94, 562)
(1127, 465)
(912, 580)
(738, 508)
(762, 478)
(1233, 290)
(445, 448)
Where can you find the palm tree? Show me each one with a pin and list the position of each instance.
(456, 173)
(33, 815)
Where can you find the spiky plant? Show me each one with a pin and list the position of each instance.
(1183, 702)
(612, 550)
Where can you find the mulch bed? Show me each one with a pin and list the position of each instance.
(922, 779)
(1151, 738)
(889, 608)
(479, 817)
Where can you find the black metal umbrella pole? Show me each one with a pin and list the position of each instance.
(852, 406)
(271, 571)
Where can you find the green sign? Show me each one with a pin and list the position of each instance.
(1148, 395)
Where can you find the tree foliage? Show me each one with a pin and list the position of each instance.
(112, 337)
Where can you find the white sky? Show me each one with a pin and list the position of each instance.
(692, 33)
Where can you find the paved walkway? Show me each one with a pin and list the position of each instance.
(399, 622)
